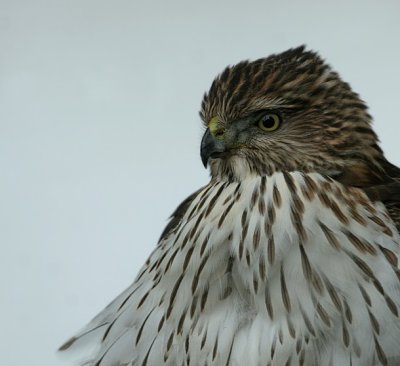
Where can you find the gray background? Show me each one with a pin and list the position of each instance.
(99, 133)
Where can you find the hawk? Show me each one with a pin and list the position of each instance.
(289, 255)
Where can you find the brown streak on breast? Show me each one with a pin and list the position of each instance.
(330, 236)
(284, 292)
(276, 196)
(389, 255)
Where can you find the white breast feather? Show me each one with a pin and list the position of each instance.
(228, 288)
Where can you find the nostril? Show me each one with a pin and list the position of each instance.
(219, 133)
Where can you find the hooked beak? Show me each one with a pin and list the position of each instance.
(211, 147)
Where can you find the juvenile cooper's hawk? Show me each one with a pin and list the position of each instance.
(289, 256)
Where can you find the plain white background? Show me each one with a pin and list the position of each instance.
(99, 133)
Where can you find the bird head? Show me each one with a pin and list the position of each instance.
(287, 112)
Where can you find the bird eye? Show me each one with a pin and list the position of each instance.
(269, 122)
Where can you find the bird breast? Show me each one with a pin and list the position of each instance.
(289, 269)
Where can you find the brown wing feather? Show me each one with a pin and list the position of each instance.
(389, 193)
(380, 185)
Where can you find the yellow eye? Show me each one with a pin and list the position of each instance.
(269, 122)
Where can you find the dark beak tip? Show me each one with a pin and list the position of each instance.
(210, 147)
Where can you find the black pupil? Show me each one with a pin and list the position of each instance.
(268, 121)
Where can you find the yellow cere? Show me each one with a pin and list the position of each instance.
(213, 124)
(216, 129)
